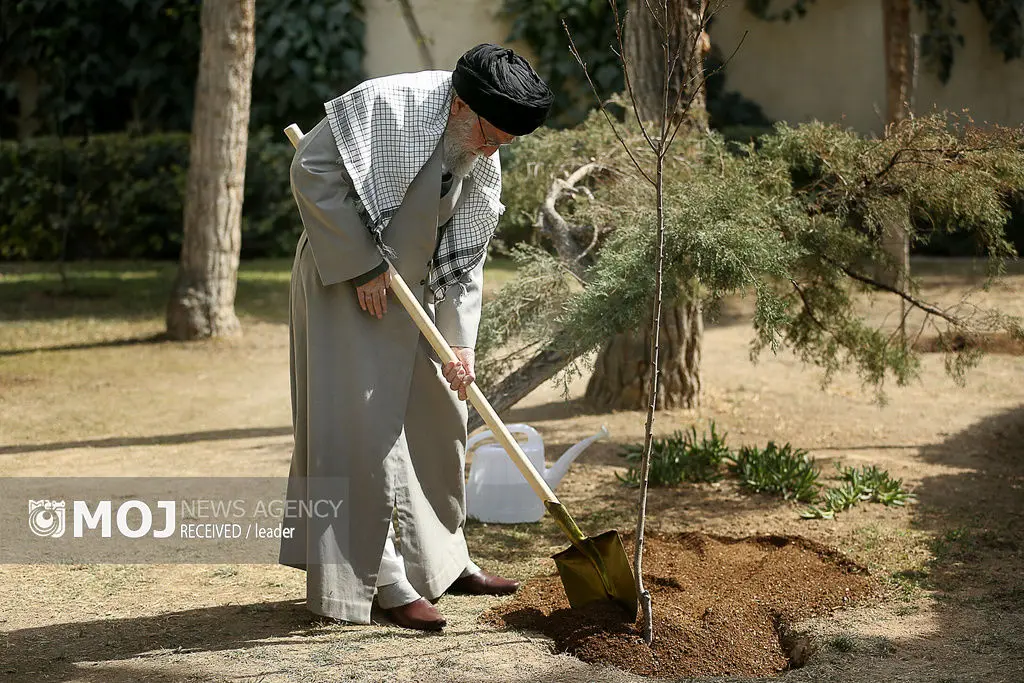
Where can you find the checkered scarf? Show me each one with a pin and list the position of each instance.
(386, 129)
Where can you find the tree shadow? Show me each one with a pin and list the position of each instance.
(553, 410)
(56, 651)
(977, 514)
(114, 343)
(157, 440)
(135, 291)
(53, 652)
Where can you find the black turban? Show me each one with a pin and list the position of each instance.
(503, 88)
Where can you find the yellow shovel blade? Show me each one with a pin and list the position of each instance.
(582, 565)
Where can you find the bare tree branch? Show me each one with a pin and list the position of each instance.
(625, 73)
(552, 225)
(593, 243)
(604, 110)
(665, 86)
(913, 301)
(689, 82)
(417, 34)
(705, 77)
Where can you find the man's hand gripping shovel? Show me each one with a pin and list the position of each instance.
(592, 568)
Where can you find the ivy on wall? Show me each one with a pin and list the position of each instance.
(1005, 19)
(307, 52)
(112, 65)
(100, 65)
(538, 23)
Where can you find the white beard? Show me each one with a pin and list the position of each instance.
(458, 160)
(462, 165)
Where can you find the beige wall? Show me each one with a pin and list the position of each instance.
(827, 66)
(830, 66)
(451, 28)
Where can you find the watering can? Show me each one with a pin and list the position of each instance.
(497, 490)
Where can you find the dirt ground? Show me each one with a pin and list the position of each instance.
(725, 606)
(951, 563)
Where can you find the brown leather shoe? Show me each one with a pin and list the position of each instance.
(483, 583)
(418, 614)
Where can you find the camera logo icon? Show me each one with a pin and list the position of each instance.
(46, 518)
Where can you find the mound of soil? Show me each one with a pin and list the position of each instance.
(721, 606)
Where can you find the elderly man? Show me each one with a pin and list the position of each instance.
(403, 167)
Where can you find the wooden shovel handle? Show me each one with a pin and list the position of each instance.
(445, 353)
(294, 134)
(476, 397)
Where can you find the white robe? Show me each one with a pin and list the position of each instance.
(357, 381)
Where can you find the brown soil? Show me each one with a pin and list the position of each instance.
(721, 606)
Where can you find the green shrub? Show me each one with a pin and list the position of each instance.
(113, 65)
(780, 470)
(867, 484)
(118, 196)
(679, 457)
(539, 25)
(876, 486)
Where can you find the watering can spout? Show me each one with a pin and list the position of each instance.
(553, 475)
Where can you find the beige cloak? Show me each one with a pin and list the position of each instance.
(358, 381)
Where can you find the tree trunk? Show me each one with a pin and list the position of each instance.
(27, 81)
(899, 69)
(898, 58)
(516, 386)
(622, 375)
(646, 58)
(203, 301)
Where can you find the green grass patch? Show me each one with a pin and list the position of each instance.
(866, 484)
(778, 470)
(497, 271)
(129, 290)
(678, 458)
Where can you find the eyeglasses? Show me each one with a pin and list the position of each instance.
(488, 141)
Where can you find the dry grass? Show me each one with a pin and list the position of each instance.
(83, 392)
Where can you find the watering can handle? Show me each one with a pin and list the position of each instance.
(532, 437)
(474, 440)
(476, 397)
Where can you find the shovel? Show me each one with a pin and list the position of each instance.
(592, 568)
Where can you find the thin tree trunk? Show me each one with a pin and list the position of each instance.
(417, 34)
(27, 80)
(898, 57)
(623, 371)
(203, 300)
(643, 595)
(899, 72)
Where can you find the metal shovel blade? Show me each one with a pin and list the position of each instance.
(594, 568)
